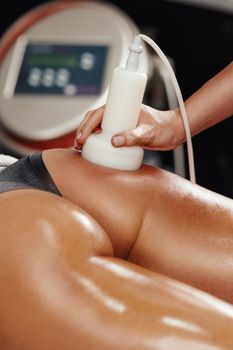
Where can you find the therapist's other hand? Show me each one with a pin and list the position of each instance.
(156, 130)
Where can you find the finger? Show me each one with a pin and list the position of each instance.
(79, 144)
(84, 120)
(97, 130)
(90, 123)
(78, 131)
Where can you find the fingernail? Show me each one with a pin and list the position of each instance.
(76, 144)
(118, 140)
(78, 136)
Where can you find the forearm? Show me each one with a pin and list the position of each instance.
(212, 103)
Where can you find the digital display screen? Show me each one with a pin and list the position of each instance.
(68, 70)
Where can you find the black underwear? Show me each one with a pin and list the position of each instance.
(28, 172)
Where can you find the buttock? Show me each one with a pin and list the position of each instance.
(32, 215)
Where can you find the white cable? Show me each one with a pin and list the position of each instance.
(178, 153)
(181, 104)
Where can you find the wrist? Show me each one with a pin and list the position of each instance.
(179, 136)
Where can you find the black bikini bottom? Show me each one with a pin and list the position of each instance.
(28, 172)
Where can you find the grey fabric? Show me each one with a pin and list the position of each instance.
(27, 172)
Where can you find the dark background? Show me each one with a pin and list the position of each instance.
(200, 42)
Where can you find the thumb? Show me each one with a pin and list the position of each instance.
(129, 138)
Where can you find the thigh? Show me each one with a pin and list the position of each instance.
(61, 288)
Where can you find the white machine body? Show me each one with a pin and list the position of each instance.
(57, 67)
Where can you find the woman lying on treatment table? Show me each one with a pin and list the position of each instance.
(88, 269)
(87, 253)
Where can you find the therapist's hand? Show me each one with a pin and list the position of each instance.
(156, 130)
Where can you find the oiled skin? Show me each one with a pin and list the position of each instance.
(155, 219)
(65, 282)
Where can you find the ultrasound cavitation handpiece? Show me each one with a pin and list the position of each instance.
(121, 113)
